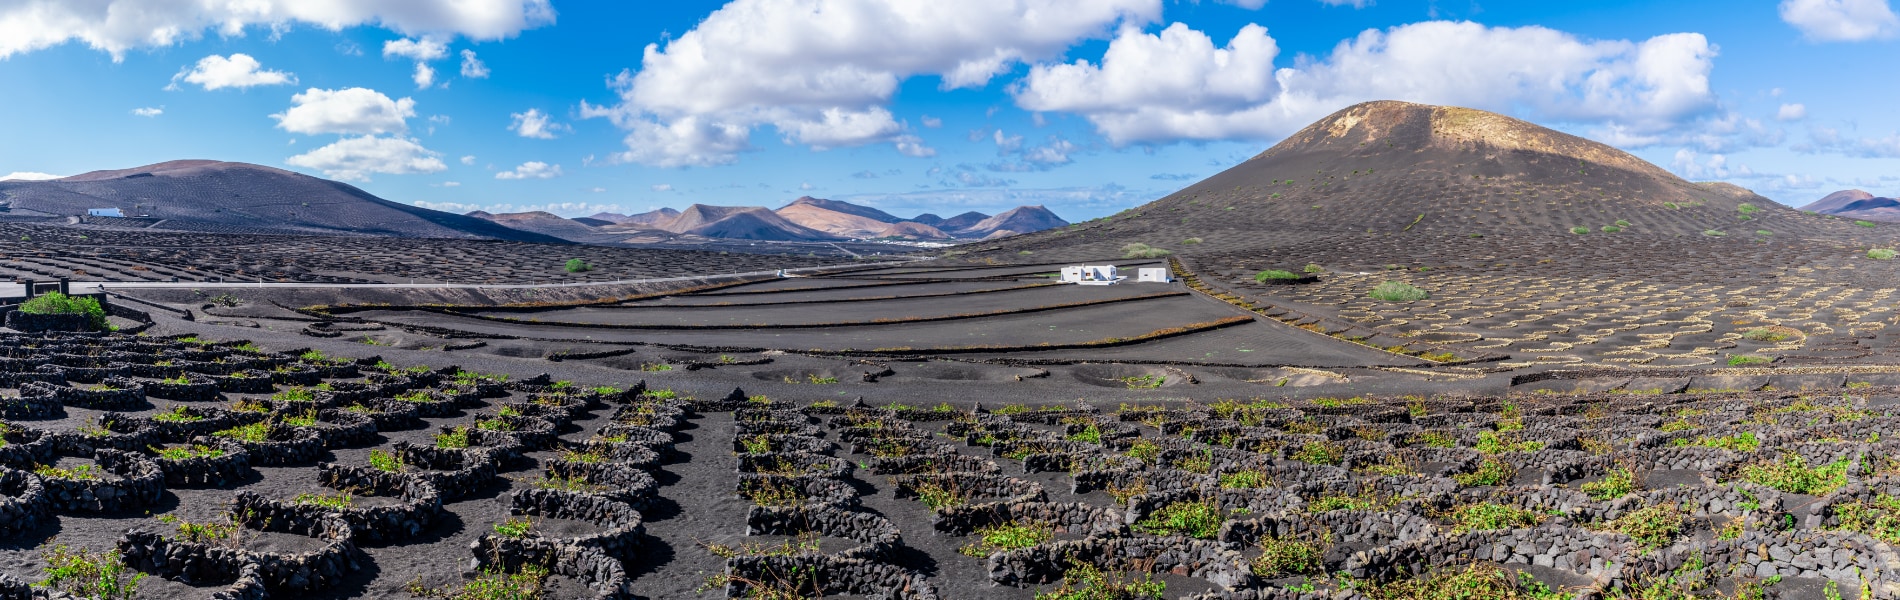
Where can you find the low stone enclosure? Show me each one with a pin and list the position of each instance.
(183, 413)
(1593, 495)
(1604, 495)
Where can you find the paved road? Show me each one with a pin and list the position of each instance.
(89, 287)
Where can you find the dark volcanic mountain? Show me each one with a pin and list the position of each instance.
(1833, 202)
(841, 219)
(213, 196)
(648, 219)
(846, 208)
(1395, 167)
(544, 223)
(1856, 204)
(740, 222)
(1019, 220)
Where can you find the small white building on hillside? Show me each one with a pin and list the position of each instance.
(1153, 275)
(1092, 275)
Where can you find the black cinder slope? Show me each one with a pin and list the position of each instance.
(1401, 168)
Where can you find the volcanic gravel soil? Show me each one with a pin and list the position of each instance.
(47, 252)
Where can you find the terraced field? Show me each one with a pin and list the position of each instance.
(252, 469)
(45, 253)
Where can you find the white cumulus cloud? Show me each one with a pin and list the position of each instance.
(821, 72)
(350, 110)
(468, 160)
(531, 170)
(115, 26)
(1179, 85)
(663, 187)
(473, 68)
(149, 111)
(535, 124)
(1792, 112)
(356, 158)
(425, 76)
(424, 49)
(28, 176)
(236, 71)
(1841, 20)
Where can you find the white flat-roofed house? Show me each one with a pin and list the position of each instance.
(1153, 275)
(1092, 275)
(104, 212)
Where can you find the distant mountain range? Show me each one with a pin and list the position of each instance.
(231, 197)
(804, 219)
(1857, 204)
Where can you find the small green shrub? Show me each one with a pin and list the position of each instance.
(1881, 253)
(1739, 360)
(1398, 291)
(88, 575)
(1580, 230)
(254, 433)
(187, 452)
(177, 414)
(1489, 442)
(330, 501)
(1879, 518)
(295, 394)
(1263, 276)
(1314, 268)
(1341, 502)
(1144, 382)
(1193, 519)
(1140, 250)
(1740, 442)
(575, 265)
(1491, 472)
(1764, 334)
(1320, 453)
(384, 461)
(514, 528)
(55, 303)
(1611, 229)
(1435, 439)
(456, 438)
(528, 584)
(1792, 475)
(1866, 223)
(1714, 233)
(1622, 223)
(1249, 479)
(1477, 580)
(1006, 537)
(1615, 484)
(1653, 526)
(1487, 516)
(1747, 209)
(77, 473)
(1280, 557)
(1085, 582)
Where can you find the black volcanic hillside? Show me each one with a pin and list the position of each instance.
(1395, 167)
(212, 196)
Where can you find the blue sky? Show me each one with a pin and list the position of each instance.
(1087, 106)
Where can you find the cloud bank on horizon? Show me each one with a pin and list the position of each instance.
(1087, 107)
